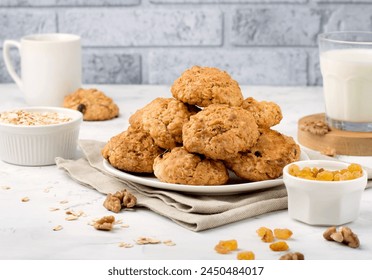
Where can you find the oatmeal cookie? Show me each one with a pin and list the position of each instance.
(220, 131)
(203, 86)
(163, 119)
(94, 104)
(266, 159)
(267, 114)
(132, 150)
(178, 166)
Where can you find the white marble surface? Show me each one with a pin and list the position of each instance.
(26, 227)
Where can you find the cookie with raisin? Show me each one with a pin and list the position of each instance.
(132, 150)
(266, 113)
(163, 119)
(203, 86)
(266, 159)
(178, 166)
(94, 104)
(220, 132)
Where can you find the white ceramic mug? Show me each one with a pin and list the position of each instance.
(50, 67)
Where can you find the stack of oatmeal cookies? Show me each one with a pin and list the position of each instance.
(204, 130)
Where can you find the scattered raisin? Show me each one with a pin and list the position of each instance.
(245, 255)
(266, 234)
(279, 246)
(225, 246)
(282, 233)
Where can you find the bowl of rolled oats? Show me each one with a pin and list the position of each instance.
(35, 136)
(324, 192)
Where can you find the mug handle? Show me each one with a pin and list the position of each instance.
(8, 63)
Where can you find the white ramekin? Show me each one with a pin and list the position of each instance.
(40, 144)
(321, 202)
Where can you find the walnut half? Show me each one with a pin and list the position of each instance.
(105, 223)
(123, 199)
(350, 238)
(292, 256)
(112, 203)
(344, 235)
(315, 127)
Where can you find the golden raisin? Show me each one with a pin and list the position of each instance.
(357, 174)
(342, 171)
(324, 176)
(225, 246)
(261, 231)
(221, 249)
(293, 169)
(315, 171)
(337, 177)
(230, 244)
(245, 255)
(306, 172)
(266, 234)
(354, 167)
(279, 246)
(347, 176)
(282, 233)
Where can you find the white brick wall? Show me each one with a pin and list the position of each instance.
(259, 42)
(248, 66)
(143, 27)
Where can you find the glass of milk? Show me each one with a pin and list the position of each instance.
(346, 66)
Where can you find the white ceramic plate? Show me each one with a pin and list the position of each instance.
(235, 184)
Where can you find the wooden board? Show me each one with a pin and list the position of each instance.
(343, 142)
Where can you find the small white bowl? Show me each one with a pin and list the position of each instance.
(321, 202)
(39, 145)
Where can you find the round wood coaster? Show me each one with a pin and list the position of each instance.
(338, 141)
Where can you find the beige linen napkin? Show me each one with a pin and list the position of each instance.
(194, 212)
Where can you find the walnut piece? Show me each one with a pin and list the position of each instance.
(115, 202)
(350, 238)
(344, 235)
(337, 236)
(105, 223)
(292, 256)
(315, 127)
(329, 231)
(129, 200)
(112, 203)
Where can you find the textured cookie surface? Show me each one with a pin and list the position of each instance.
(94, 104)
(266, 113)
(181, 167)
(267, 158)
(163, 119)
(203, 86)
(220, 131)
(132, 150)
